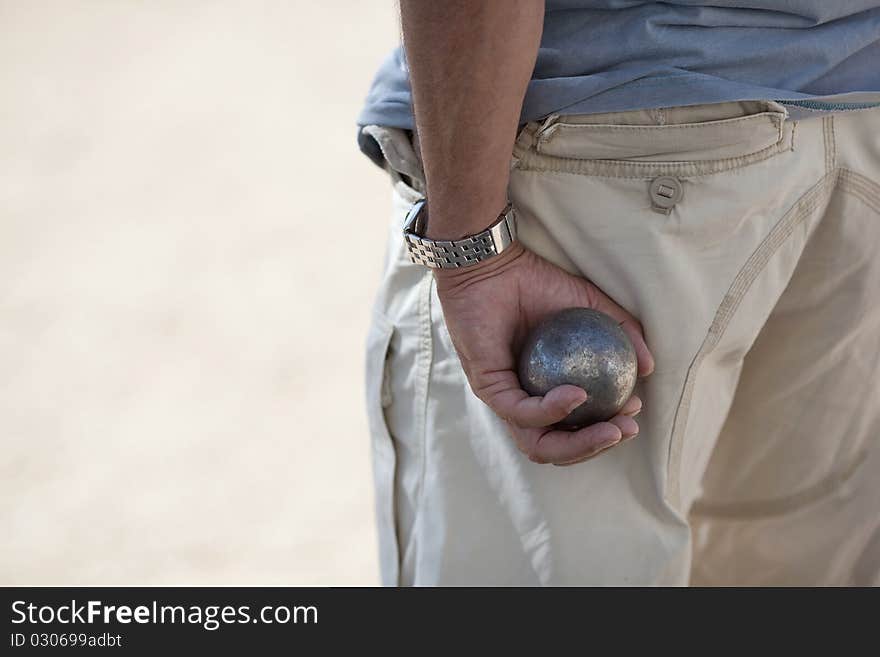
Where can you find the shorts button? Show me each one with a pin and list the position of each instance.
(665, 193)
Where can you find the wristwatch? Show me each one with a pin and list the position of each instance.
(449, 254)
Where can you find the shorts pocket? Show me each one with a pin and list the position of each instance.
(378, 393)
(677, 141)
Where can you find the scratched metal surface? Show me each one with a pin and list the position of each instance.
(586, 348)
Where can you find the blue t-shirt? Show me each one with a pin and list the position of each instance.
(614, 55)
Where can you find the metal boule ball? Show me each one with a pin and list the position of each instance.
(586, 348)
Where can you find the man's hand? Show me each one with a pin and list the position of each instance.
(490, 309)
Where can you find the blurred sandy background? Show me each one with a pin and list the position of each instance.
(180, 351)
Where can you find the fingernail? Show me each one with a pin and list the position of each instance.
(629, 436)
(634, 413)
(575, 404)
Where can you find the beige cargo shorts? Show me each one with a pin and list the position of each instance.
(748, 244)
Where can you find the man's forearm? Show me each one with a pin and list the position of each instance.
(470, 62)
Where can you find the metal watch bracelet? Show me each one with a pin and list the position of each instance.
(450, 254)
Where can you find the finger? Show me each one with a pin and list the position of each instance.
(644, 356)
(505, 396)
(634, 332)
(629, 428)
(524, 439)
(555, 446)
(583, 459)
(632, 407)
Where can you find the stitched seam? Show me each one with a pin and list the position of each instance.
(861, 179)
(779, 506)
(425, 360)
(864, 187)
(772, 117)
(541, 163)
(712, 124)
(804, 206)
(826, 142)
(832, 142)
(863, 195)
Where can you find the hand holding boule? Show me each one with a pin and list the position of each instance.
(489, 309)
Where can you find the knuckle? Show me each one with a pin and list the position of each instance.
(484, 395)
(490, 392)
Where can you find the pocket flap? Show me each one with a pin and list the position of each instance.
(725, 138)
